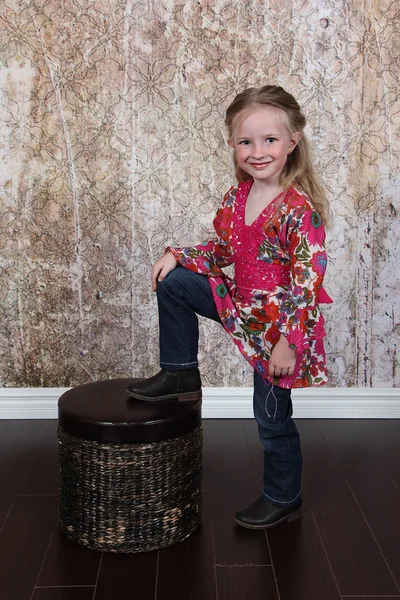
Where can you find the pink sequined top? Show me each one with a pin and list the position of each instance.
(251, 273)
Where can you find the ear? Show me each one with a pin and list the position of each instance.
(296, 137)
(231, 143)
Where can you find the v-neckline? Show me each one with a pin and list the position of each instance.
(262, 212)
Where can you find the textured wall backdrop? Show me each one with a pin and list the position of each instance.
(112, 146)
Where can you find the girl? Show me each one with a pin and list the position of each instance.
(270, 226)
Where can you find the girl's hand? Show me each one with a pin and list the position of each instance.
(283, 359)
(161, 269)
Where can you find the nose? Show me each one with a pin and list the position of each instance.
(258, 152)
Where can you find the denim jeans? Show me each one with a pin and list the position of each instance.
(181, 296)
(278, 433)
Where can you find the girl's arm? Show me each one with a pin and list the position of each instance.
(211, 256)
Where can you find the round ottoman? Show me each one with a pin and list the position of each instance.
(129, 472)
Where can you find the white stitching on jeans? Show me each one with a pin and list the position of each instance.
(276, 402)
(273, 500)
(180, 364)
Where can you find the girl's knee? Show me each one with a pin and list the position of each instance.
(172, 282)
(164, 285)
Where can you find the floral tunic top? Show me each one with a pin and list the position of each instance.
(279, 265)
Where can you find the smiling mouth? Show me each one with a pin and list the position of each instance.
(259, 165)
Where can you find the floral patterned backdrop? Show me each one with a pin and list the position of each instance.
(113, 146)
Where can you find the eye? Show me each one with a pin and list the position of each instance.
(244, 143)
(271, 140)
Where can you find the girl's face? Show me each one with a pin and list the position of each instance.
(262, 143)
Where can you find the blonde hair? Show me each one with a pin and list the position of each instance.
(298, 170)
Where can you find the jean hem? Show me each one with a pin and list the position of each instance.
(179, 366)
(280, 502)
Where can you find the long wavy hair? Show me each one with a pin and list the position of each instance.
(298, 170)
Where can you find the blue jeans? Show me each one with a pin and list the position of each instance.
(278, 433)
(181, 296)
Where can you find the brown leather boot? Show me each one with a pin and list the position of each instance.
(182, 385)
(263, 515)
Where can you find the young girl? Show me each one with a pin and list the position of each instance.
(270, 226)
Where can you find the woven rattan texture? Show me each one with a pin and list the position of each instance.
(129, 497)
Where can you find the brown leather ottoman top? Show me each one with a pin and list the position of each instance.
(102, 411)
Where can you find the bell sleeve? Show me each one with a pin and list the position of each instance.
(211, 256)
(299, 316)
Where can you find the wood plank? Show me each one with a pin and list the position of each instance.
(393, 469)
(186, 570)
(17, 452)
(347, 442)
(383, 438)
(127, 576)
(367, 442)
(301, 567)
(355, 558)
(379, 500)
(4, 428)
(62, 593)
(24, 540)
(42, 474)
(243, 583)
(68, 564)
(233, 487)
(298, 556)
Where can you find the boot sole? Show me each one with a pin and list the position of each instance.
(292, 517)
(181, 397)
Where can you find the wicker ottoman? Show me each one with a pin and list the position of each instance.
(130, 472)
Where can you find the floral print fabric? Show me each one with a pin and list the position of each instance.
(279, 266)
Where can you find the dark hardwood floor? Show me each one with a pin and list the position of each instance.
(347, 545)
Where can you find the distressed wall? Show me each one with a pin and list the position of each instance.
(112, 146)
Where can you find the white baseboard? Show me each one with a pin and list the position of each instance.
(231, 403)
